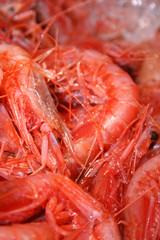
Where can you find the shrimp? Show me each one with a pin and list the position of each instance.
(119, 95)
(92, 220)
(148, 76)
(18, 24)
(33, 108)
(64, 16)
(148, 80)
(104, 92)
(17, 11)
(23, 198)
(32, 231)
(142, 202)
(105, 178)
(70, 212)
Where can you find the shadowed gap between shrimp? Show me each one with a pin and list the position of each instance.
(70, 212)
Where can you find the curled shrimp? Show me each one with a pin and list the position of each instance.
(142, 211)
(33, 108)
(119, 95)
(22, 198)
(104, 92)
(105, 178)
(32, 231)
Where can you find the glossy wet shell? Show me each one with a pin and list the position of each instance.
(142, 214)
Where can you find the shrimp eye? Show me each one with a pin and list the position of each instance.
(5, 29)
(154, 136)
(59, 140)
(11, 9)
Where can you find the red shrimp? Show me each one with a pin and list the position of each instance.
(70, 212)
(21, 199)
(33, 108)
(106, 177)
(17, 11)
(50, 9)
(119, 95)
(31, 231)
(148, 80)
(148, 76)
(92, 220)
(18, 23)
(64, 16)
(107, 94)
(142, 202)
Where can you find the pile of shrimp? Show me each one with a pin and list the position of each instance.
(79, 124)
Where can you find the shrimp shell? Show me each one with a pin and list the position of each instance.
(142, 213)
